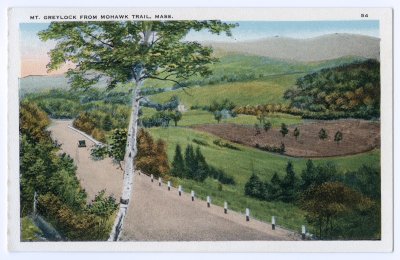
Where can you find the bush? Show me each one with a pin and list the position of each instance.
(221, 143)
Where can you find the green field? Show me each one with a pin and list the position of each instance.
(241, 93)
(241, 164)
(199, 117)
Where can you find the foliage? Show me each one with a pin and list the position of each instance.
(200, 142)
(329, 202)
(117, 145)
(87, 124)
(178, 164)
(53, 176)
(353, 89)
(271, 148)
(151, 157)
(296, 133)
(29, 232)
(267, 126)
(221, 143)
(99, 152)
(322, 134)
(194, 166)
(284, 130)
(338, 137)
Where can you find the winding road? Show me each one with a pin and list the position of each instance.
(156, 214)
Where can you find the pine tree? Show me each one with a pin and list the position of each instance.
(308, 175)
(274, 188)
(322, 134)
(190, 162)
(202, 167)
(338, 137)
(289, 184)
(178, 164)
(254, 187)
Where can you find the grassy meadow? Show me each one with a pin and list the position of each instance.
(241, 164)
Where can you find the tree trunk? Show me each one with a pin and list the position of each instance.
(129, 170)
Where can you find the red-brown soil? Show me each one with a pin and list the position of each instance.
(358, 136)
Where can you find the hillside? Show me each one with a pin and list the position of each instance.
(325, 47)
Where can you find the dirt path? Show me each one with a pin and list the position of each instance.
(156, 214)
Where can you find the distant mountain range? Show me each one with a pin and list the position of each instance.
(326, 47)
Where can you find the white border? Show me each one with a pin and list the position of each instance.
(385, 245)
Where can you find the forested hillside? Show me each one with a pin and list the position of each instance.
(351, 90)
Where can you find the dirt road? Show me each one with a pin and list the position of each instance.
(156, 214)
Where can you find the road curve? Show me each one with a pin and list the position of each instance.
(156, 214)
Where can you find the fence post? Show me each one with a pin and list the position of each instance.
(247, 214)
(192, 193)
(180, 190)
(208, 201)
(226, 207)
(169, 185)
(273, 222)
(151, 177)
(159, 181)
(303, 232)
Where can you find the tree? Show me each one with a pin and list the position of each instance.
(190, 162)
(117, 145)
(218, 116)
(322, 134)
(176, 116)
(260, 117)
(328, 202)
(178, 164)
(254, 187)
(289, 184)
(267, 126)
(284, 130)
(296, 133)
(202, 168)
(274, 191)
(308, 175)
(130, 52)
(338, 137)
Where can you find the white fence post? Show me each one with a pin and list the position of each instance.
(247, 214)
(180, 190)
(151, 177)
(208, 201)
(273, 222)
(192, 193)
(303, 232)
(226, 207)
(159, 181)
(169, 185)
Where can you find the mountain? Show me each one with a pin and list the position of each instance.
(326, 47)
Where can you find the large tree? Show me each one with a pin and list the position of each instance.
(130, 52)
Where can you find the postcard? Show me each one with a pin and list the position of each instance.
(200, 129)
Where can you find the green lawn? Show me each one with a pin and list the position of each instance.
(264, 91)
(240, 165)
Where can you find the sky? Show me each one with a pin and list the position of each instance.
(34, 52)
